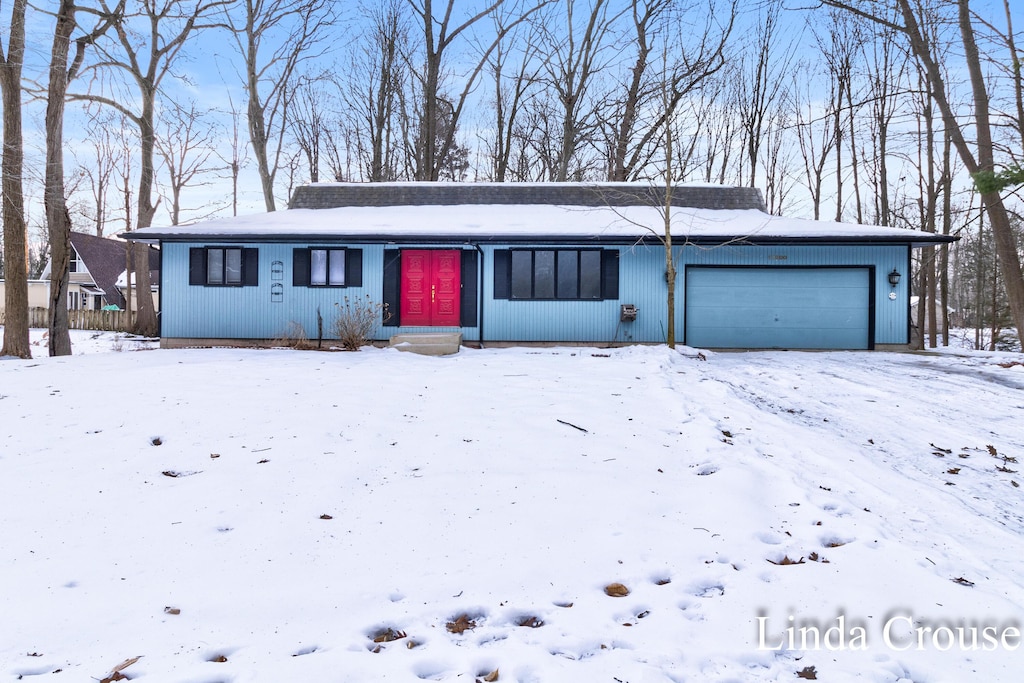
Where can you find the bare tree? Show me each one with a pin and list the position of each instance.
(886, 69)
(978, 158)
(761, 85)
(106, 144)
(275, 38)
(186, 144)
(577, 49)
(372, 91)
(237, 157)
(638, 115)
(438, 118)
(837, 45)
(309, 124)
(815, 135)
(58, 219)
(16, 341)
(148, 40)
(511, 94)
(715, 113)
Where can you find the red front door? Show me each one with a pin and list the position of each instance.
(430, 287)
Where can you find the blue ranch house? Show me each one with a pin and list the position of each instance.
(537, 262)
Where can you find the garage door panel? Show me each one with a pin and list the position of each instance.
(754, 318)
(812, 308)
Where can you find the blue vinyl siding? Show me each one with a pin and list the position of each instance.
(268, 310)
(196, 312)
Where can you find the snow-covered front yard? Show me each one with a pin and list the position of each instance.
(276, 515)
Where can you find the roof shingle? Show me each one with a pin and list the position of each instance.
(335, 195)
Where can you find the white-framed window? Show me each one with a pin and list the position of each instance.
(75, 264)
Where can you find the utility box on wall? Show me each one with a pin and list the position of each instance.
(628, 313)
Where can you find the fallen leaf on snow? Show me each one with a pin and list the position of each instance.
(115, 673)
(808, 672)
(175, 473)
(616, 590)
(461, 624)
(388, 635)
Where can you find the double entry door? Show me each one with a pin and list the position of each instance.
(431, 291)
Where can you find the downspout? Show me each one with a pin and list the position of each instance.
(160, 289)
(480, 292)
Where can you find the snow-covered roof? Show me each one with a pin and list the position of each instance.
(529, 223)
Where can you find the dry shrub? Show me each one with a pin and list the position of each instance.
(293, 338)
(356, 319)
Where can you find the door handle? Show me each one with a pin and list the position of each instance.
(433, 290)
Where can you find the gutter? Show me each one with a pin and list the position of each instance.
(914, 240)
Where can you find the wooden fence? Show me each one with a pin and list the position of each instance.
(108, 321)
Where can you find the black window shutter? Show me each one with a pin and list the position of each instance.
(300, 267)
(467, 311)
(502, 263)
(251, 267)
(353, 267)
(197, 266)
(610, 274)
(392, 287)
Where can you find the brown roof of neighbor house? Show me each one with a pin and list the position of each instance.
(105, 259)
(334, 195)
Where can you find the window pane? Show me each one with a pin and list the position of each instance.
(522, 274)
(215, 266)
(543, 275)
(337, 274)
(318, 266)
(232, 266)
(590, 275)
(568, 284)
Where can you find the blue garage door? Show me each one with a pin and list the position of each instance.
(778, 308)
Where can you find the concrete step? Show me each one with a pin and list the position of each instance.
(428, 343)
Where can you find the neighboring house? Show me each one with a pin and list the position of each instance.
(554, 262)
(38, 293)
(97, 266)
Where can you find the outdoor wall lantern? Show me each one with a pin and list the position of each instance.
(894, 277)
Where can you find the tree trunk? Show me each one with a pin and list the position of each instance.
(145, 318)
(258, 138)
(57, 218)
(16, 339)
